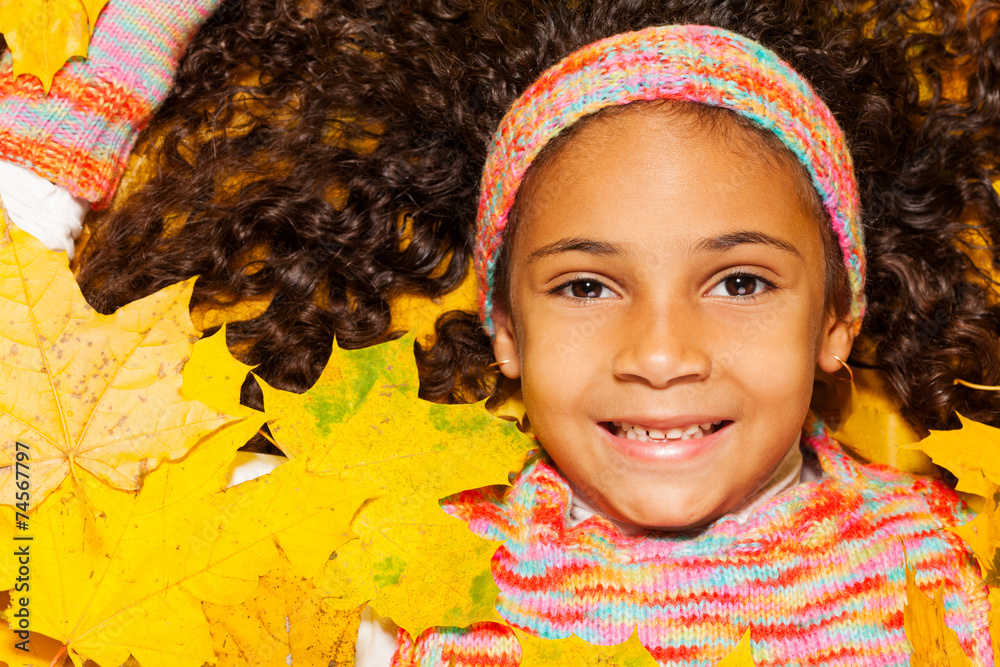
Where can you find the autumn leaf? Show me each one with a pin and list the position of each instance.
(742, 655)
(132, 580)
(994, 600)
(407, 550)
(934, 643)
(511, 407)
(87, 391)
(206, 316)
(43, 34)
(363, 422)
(971, 453)
(537, 652)
(214, 376)
(873, 428)
(94, 8)
(982, 534)
(286, 621)
(41, 649)
(417, 314)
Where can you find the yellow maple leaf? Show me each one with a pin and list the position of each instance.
(511, 407)
(214, 376)
(971, 453)
(537, 652)
(994, 600)
(132, 579)
(207, 316)
(934, 643)
(43, 34)
(286, 621)
(41, 650)
(872, 427)
(362, 420)
(982, 534)
(94, 8)
(363, 423)
(84, 390)
(417, 314)
(407, 550)
(742, 655)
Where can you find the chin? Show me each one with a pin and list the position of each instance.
(658, 520)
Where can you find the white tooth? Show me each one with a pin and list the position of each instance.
(620, 432)
(685, 436)
(691, 430)
(716, 423)
(643, 437)
(674, 433)
(616, 423)
(705, 427)
(656, 435)
(626, 426)
(631, 435)
(699, 434)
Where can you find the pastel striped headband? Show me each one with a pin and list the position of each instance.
(693, 63)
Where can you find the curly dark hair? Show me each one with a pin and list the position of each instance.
(329, 153)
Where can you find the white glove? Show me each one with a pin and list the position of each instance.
(45, 210)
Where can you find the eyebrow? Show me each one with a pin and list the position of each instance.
(589, 246)
(731, 240)
(720, 243)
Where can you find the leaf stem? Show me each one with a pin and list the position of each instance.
(59, 655)
(984, 387)
(268, 438)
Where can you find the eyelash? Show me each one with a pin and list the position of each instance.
(559, 289)
(743, 273)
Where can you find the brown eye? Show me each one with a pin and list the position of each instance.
(741, 285)
(587, 289)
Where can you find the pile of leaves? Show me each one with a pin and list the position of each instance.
(131, 425)
(142, 553)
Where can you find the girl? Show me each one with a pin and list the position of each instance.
(663, 277)
(668, 247)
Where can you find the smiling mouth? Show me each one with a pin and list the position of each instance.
(646, 434)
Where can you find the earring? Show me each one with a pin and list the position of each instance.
(850, 373)
(498, 364)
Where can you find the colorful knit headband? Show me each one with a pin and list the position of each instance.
(693, 63)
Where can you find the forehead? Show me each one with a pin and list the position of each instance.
(667, 172)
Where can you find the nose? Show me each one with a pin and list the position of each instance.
(662, 346)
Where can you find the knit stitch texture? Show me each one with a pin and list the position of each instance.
(816, 573)
(691, 63)
(79, 136)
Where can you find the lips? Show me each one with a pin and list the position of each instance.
(667, 442)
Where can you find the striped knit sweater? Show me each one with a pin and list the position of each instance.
(79, 136)
(817, 573)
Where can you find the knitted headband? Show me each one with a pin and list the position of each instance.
(693, 63)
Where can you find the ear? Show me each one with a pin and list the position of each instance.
(837, 338)
(505, 343)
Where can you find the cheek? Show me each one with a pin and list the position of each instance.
(775, 352)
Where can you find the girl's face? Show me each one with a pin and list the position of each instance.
(666, 277)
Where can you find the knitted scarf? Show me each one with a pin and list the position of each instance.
(816, 573)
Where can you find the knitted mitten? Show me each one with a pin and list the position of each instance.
(80, 134)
